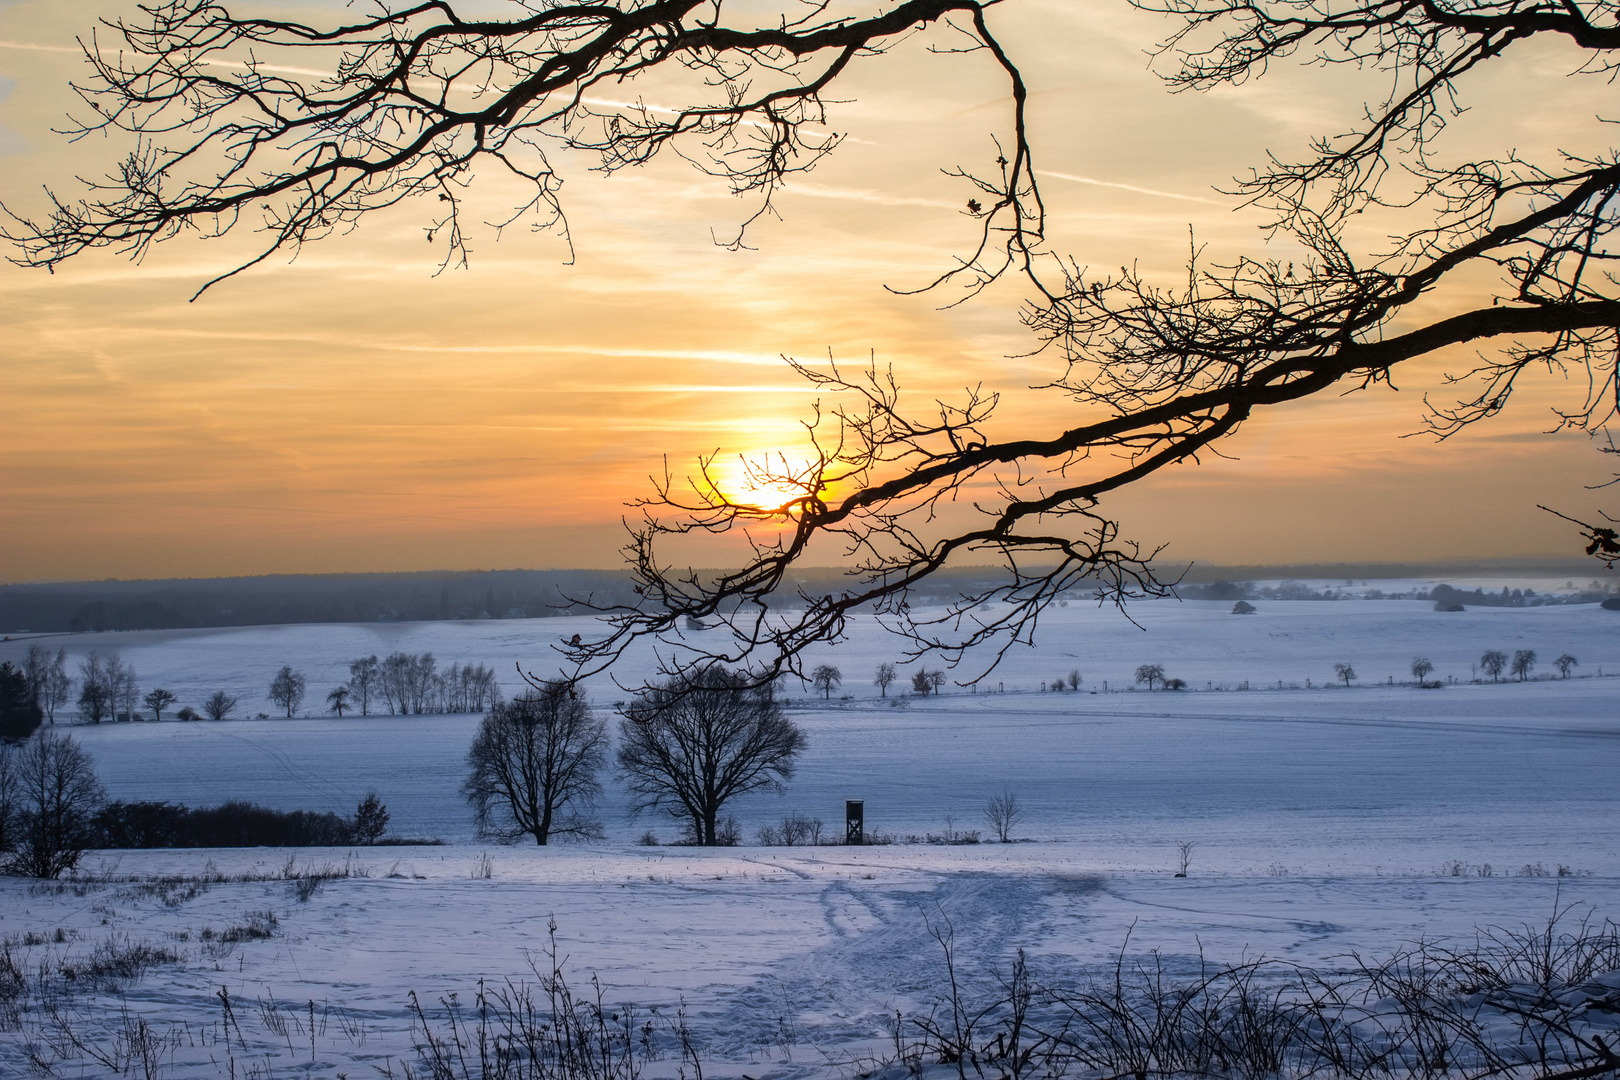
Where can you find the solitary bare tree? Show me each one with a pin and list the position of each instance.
(287, 689)
(1524, 662)
(826, 678)
(218, 705)
(1150, 674)
(1421, 666)
(1493, 661)
(159, 699)
(690, 745)
(56, 796)
(227, 125)
(535, 767)
(1564, 663)
(1003, 812)
(1345, 672)
(338, 698)
(884, 676)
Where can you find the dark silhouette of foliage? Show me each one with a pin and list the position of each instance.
(233, 824)
(20, 714)
(370, 819)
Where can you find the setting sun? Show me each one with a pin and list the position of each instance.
(766, 479)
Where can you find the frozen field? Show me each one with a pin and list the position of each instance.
(1326, 820)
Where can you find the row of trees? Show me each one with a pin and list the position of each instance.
(686, 746)
(1492, 662)
(53, 809)
(409, 683)
(403, 682)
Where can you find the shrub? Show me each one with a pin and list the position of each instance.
(235, 824)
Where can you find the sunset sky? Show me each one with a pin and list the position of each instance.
(351, 411)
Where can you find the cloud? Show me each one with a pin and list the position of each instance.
(1129, 187)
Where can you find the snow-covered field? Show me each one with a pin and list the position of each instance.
(1326, 820)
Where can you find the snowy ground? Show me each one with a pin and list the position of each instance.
(1327, 820)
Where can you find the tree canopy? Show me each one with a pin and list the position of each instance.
(231, 131)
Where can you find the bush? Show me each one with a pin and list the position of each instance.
(235, 824)
(794, 830)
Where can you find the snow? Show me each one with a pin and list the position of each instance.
(1326, 821)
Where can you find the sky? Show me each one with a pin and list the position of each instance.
(352, 410)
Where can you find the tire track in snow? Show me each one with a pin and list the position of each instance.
(886, 954)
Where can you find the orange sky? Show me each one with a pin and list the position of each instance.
(352, 412)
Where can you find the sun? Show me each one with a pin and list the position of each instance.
(766, 480)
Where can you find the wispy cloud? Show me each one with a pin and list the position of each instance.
(1128, 187)
(29, 46)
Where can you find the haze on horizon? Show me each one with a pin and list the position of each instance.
(352, 411)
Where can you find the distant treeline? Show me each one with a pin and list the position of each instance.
(1443, 596)
(185, 603)
(235, 824)
(77, 607)
(325, 598)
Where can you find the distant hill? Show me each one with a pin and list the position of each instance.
(185, 603)
(306, 598)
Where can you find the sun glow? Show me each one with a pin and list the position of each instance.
(767, 480)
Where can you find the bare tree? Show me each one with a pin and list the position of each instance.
(57, 795)
(125, 690)
(535, 767)
(410, 103)
(36, 669)
(826, 678)
(1524, 662)
(287, 689)
(159, 699)
(1074, 679)
(10, 798)
(95, 689)
(1564, 663)
(1150, 674)
(884, 676)
(1421, 666)
(1344, 672)
(218, 705)
(364, 675)
(1493, 662)
(338, 699)
(690, 745)
(1184, 850)
(1003, 812)
(55, 687)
